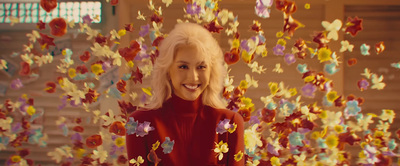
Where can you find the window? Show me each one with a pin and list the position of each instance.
(28, 12)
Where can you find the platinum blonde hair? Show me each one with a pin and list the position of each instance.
(188, 34)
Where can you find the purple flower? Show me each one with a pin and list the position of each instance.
(363, 84)
(76, 137)
(87, 20)
(290, 59)
(308, 90)
(262, 10)
(254, 119)
(223, 126)
(131, 126)
(278, 49)
(193, 9)
(143, 129)
(144, 30)
(244, 46)
(64, 102)
(271, 149)
(16, 84)
(167, 145)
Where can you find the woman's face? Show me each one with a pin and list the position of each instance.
(189, 73)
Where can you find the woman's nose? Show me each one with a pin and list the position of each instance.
(193, 75)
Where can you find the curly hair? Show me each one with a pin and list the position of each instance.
(188, 34)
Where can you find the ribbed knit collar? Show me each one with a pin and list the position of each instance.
(180, 106)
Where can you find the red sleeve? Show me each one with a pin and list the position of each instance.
(236, 142)
(137, 146)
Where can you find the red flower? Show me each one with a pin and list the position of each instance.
(353, 26)
(78, 129)
(48, 5)
(349, 138)
(291, 25)
(137, 76)
(268, 115)
(352, 62)
(23, 152)
(288, 7)
(117, 128)
(232, 57)
(25, 69)
(41, 25)
(121, 84)
(122, 160)
(114, 2)
(129, 27)
(157, 41)
(301, 47)
(156, 18)
(91, 96)
(129, 53)
(398, 133)
(126, 107)
(100, 39)
(321, 39)
(379, 47)
(85, 56)
(245, 114)
(82, 69)
(45, 41)
(214, 27)
(50, 87)
(94, 141)
(58, 26)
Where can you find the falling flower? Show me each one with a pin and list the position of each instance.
(238, 156)
(379, 47)
(387, 115)
(352, 109)
(353, 25)
(364, 48)
(168, 145)
(324, 54)
(97, 69)
(351, 62)
(143, 129)
(139, 160)
(16, 84)
(48, 5)
(332, 141)
(224, 126)
(220, 149)
(262, 8)
(93, 141)
(45, 41)
(278, 49)
(331, 68)
(290, 59)
(214, 27)
(252, 138)
(296, 139)
(377, 82)
(332, 28)
(117, 128)
(308, 90)
(58, 26)
(87, 20)
(346, 46)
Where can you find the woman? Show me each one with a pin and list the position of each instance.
(186, 122)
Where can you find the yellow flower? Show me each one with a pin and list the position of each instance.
(275, 161)
(293, 91)
(361, 155)
(147, 91)
(80, 152)
(315, 135)
(238, 156)
(324, 54)
(273, 87)
(243, 84)
(137, 161)
(15, 158)
(339, 129)
(307, 6)
(332, 96)
(31, 110)
(332, 141)
(220, 149)
(97, 69)
(246, 56)
(281, 42)
(235, 43)
(323, 114)
(379, 134)
(122, 32)
(155, 145)
(131, 64)
(232, 129)
(71, 72)
(279, 34)
(252, 138)
(309, 79)
(120, 141)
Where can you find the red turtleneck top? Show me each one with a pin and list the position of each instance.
(192, 127)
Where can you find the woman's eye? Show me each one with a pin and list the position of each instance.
(201, 67)
(183, 67)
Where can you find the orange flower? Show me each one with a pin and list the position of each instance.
(117, 128)
(78, 129)
(25, 69)
(94, 141)
(58, 26)
(85, 56)
(48, 5)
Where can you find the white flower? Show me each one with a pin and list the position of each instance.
(332, 28)
(252, 138)
(346, 46)
(224, 16)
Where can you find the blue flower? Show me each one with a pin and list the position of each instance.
(302, 68)
(392, 144)
(295, 139)
(364, 49)
(352, 109)
(331, 68)
(167, 145)
(131, 126)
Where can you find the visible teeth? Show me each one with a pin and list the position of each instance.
(191, 87)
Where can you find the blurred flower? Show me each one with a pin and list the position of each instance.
(290, 59)
(168, 145)
(308, 90)
(364, 48)
(224, 126)
(346, 46)
(16, 84)
(252, 138)
(363, 84)
(143, 129)
(220, 149)
(324, 54)
(58, 26)
(296, 139)
(278, 49)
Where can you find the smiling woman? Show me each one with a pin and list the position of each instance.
(187, 113)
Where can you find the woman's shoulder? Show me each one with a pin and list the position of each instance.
(144, 114)
(226, 113)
